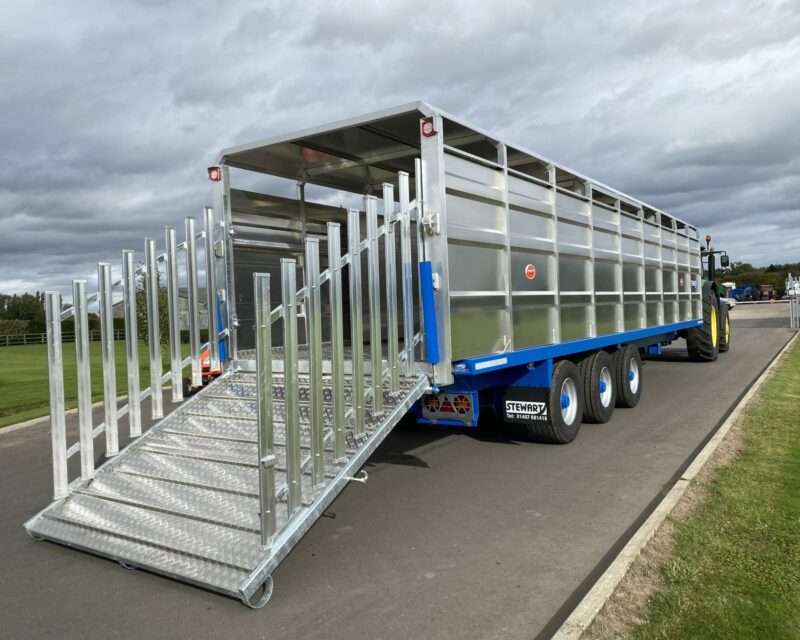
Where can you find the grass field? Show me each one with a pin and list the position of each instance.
(735, 568)
(24, 391)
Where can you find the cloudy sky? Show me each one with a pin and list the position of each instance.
(110, 111)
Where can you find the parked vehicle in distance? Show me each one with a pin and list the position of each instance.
(744, 293)
(768, 292)
(731, 302)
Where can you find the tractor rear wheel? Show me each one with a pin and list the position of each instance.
(702, 342)
(724, 328)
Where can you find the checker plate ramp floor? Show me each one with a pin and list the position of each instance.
(182, 500)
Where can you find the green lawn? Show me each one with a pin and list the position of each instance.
(735, 569)
(24, 391)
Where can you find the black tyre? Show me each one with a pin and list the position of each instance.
(627, 367)
(702, 343)
(599, 387)
(724, 328)
(564, 407)
(187, 387)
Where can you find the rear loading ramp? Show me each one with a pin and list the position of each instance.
(183, 500)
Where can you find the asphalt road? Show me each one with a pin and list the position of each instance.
(458, 534)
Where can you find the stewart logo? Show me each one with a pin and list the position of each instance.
(524, 410)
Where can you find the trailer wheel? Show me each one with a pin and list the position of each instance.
(724, 328)
(702, 343)
(564, 407)
(627, 367)
(599, 387)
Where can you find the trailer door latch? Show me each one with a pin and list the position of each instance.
(430, 223)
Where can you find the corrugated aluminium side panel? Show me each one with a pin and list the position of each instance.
(480, 319)
(532, 242)
(632, 272)
(576, 268)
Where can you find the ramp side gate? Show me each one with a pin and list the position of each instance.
(219, 491)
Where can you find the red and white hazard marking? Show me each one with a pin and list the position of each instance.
(530, 272)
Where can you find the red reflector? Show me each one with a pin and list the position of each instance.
(462, 404)
(447, 407)
(214, 174)
(427, 128)
(432, 403)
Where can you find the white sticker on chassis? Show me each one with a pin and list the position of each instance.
(523, 410)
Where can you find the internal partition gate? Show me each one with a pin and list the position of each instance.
(219, 491)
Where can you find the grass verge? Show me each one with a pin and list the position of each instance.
(734, 567)
(24, 390)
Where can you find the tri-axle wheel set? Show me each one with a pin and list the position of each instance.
(587, 387)
(588, 390)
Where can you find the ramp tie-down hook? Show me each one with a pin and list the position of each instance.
(363, 479)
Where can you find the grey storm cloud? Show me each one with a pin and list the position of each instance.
(110, 112)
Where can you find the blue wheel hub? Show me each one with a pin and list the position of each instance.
(631, 375)
(564, 400)
(603, 386)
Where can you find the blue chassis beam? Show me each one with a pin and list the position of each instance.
(534, 367)
(485, 364)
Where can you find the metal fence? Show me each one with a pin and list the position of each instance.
(104, 297)
(364, 390)
(41, 338)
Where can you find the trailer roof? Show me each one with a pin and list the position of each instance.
(368, 150)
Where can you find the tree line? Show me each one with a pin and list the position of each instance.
(24, 314)
(745, 273)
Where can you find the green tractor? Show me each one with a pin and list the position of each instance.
(706, 342)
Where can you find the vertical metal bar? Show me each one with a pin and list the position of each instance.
(153, 328)
(131, 345)
(356, 319)
(406, 269)
(266, 434)
(85, 426)
(419, 197)
(337, 338)
(374, 290)
(107, 336)
(194, 315)
(390, 266)
(291, 392)
(211, 290)
(314, 333)
(174, 315)
(55, 364)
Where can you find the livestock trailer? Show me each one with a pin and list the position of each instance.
(402, 262)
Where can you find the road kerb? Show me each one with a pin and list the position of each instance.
(582, 616)
(33, 421)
